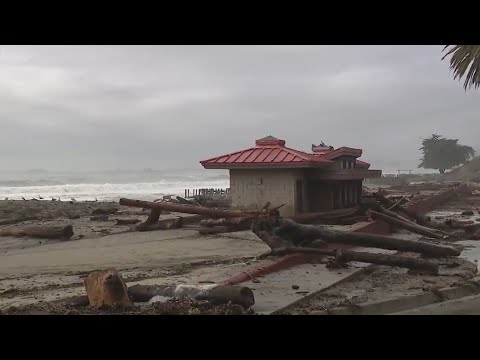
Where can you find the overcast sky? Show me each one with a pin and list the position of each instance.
(104, 107)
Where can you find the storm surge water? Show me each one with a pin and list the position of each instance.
(108, 185)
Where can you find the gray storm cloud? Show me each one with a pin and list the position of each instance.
(103, 107)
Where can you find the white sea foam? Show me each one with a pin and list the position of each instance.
(104, 189)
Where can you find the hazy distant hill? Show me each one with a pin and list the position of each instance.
(469, 171)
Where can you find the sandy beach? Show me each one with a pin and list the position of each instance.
(32, 270)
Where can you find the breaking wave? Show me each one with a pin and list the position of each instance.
(108, 187)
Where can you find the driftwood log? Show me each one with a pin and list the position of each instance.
(418, 229)
(106, 288)
(298, 233)
(153, 216)
(378, 259)
(38, 231)
(395, 215)
(235, 222)
(218, 226)
(188, 209)
(17, 220)
(215, 294)
(330, 216)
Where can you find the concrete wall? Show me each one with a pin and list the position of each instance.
(251, 188)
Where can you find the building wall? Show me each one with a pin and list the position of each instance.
(252, 188)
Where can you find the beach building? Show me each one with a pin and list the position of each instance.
(321, 180)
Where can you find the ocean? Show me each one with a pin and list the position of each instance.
(107, 185)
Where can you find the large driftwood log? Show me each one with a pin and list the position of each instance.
(418, 229)
(235, 222)
(38, 231)
(17, 220)
(188, 209)
(388, 212)
(216, 294)
(394, 214)
(377, 259)
(106, 288)
(153, 224)
(297, 233)
(332, 215)
(153, 216)
(218, 226)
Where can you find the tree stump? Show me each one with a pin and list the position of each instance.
(107, 288)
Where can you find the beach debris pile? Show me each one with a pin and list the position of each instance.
(107, 292)
(303, 234)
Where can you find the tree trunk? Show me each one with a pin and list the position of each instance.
(106, 288)
(405, 224)
(187, 209)
(236, 222)
(297, 233)
(377, 259)
(215, 294)
(41, 232)
(153, 216)
(17, 220)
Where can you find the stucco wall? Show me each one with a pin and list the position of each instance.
(254, 188)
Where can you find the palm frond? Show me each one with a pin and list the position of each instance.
(465, 63)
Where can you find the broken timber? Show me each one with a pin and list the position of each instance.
(37, 231)
(215, 294)
(418, 229)
(378, 259)
(188, 209)
(297, 233)
(17, 220)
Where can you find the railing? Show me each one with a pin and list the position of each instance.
(207, 193)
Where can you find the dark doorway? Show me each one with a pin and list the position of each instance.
(299, 196)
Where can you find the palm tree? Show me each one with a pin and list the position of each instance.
(465, 60)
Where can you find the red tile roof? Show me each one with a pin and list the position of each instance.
(272, 152)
